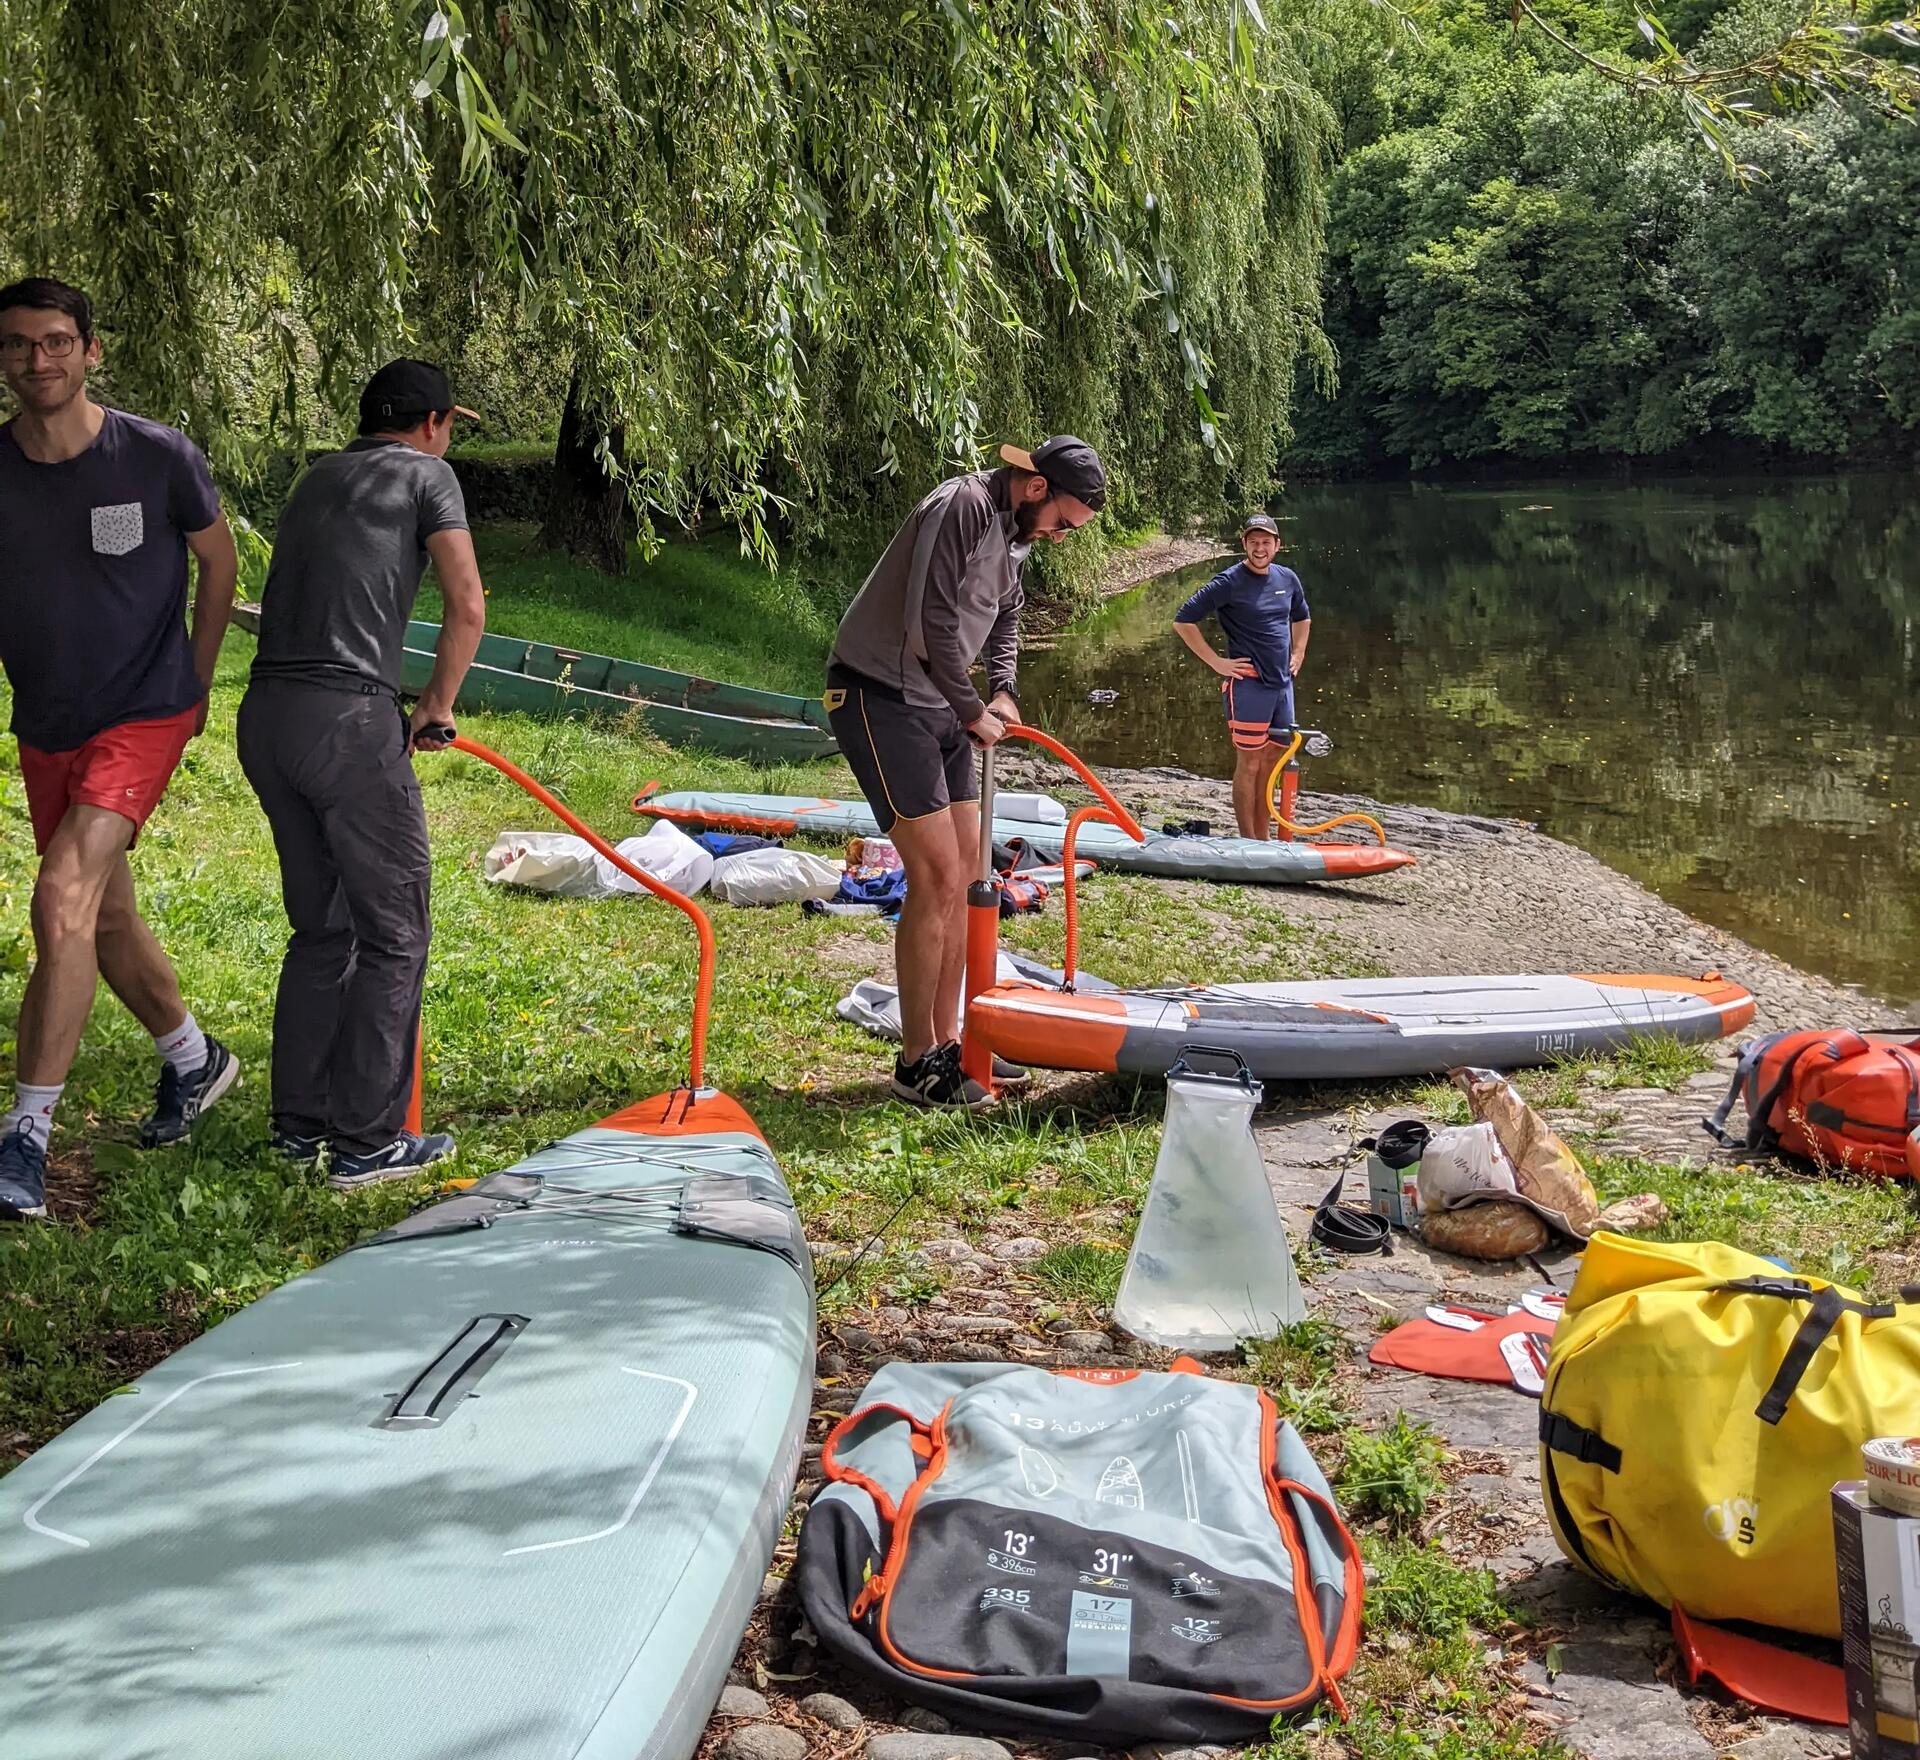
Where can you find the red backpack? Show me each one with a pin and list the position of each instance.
(1838, 1099)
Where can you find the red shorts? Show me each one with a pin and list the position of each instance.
(124, 769)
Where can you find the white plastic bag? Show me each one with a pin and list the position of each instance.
(1464, 1165)
(876, 1006)
(565, 866)
(774, 876)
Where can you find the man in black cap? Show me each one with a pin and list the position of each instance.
(945, 593)
(1262, 610)
(325, 743)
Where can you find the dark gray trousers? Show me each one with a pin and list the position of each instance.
(333, 775)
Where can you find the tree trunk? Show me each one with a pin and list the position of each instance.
(586, 509)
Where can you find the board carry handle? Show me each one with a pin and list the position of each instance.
(1239, 1074)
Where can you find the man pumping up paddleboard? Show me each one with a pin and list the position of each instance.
(945, 593)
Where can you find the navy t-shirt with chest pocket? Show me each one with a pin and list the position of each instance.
(93, 580)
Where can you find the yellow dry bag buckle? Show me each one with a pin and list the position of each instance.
(833, 700)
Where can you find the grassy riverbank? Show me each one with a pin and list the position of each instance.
(545, 1014)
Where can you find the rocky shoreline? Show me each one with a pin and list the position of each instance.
(1488, 895)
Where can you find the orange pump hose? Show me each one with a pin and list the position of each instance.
(703, 989)
(1287, 825)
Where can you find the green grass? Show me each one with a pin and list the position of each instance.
(542, 1015)
(1393, 1475)
(1857, 1231)
(1649, 1060)
(1083, 1272)
(697, 607)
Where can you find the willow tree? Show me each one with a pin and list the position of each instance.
(800, 256)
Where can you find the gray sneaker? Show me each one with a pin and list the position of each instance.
(405, 1156)
(23, 1173)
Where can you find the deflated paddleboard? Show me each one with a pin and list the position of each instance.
(499, 1483)
(1174, 858)
(1354, 1028)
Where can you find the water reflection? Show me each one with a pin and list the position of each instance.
(1708, 685)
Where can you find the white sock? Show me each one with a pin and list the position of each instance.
(33, 1107)
(185, 1047)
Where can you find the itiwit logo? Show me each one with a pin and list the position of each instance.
(1735, 1521)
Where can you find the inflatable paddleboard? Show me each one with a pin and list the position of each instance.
(1175, 858)
(1354, 1028)
(500, 1483)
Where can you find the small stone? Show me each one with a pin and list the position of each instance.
(831, 1363)
(917, 1717)
(1060, 1323)
(894, 1317)
(966, 1351)
(981, 1325)
(741, 1702)
(1086, 1343)
(772, 1587)
(833, 1711)
(858, 1338)
(912, 1345)
(1023, 1246)
(910, 1745)
(944, 1252)
(764, 1741)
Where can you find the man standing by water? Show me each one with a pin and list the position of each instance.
(327, 748)
(1263, 613)
(946, 591)
(98, 511)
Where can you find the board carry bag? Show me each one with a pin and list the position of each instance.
(1700, 1405)
(1838, 1099)
(1108, 1554)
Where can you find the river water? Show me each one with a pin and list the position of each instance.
(1708, 684)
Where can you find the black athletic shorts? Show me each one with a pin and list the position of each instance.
(910, 762)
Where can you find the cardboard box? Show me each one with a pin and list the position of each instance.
(1878, 1552)
(1394, 1192)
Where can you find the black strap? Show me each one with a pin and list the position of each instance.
(1744, 1067)
(1346, 1228)
(1563, 1436)
(1823, 1314)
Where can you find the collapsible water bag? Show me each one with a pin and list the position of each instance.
(1211, 1263)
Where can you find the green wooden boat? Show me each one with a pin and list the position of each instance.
(536, 678)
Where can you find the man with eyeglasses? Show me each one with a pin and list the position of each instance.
(946, 592)
(98, 512)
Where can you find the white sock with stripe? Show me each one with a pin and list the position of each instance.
(33, 1107)
(185, 1048)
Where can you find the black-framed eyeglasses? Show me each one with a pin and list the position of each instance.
(55, 347)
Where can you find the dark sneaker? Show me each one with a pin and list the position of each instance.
(292, 1146)
(405, 1156)
(938, 1080)
(23, 1173)
(1005, 1074)
(178, 1100)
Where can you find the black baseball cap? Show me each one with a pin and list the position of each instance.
(407, 388)
(1259, 522)
(1068, 464)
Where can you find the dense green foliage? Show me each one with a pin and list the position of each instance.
(800, 259)
(1528, 261)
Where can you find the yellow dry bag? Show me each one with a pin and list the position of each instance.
(1700, 1404)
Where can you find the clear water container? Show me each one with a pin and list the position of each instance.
(1211, 1263)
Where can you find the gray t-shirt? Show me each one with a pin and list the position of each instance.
(347, 562)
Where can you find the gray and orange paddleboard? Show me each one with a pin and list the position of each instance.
(1235, 859)
(500, 1483)
(1354, 1029)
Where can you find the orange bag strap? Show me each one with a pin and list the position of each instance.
(920, 1436)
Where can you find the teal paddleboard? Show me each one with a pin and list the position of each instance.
(498, 1484)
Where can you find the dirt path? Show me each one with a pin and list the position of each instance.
(1487, 895)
